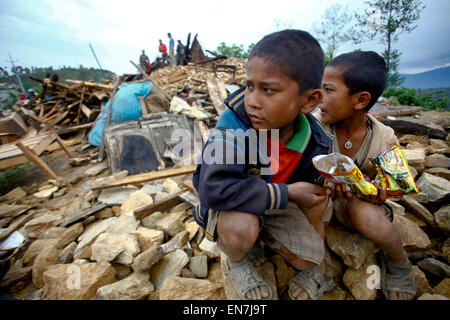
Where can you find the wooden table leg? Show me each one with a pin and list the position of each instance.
(32, 156)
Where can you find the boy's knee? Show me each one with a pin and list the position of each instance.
(238, 230)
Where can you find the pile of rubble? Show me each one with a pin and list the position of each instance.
(102, 233)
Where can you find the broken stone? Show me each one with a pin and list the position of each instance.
(440, 172)
(160, 195)
(436, 267)
(92, 231)
(95, 170)
(104, 213)
(122, 248)
(152, 219)
(47, 257)
(412, 236)
(134, 287)
(117, 195)
(428, 296)
(419, 222)
(418, 210)
(37, 226)
(422, 284)
(76, 281)
(15, 194)
(145, 260)
(171, 264)
(15, 275)
(178, 288)
(122, 271)
(52, 233)
(78, 162)
(151, 189)
(186, 273)
(443, 288)
(35, 248)
(442, 217)
(415, 157)
(147, 238)
(408, 138)
(138, 199)
(66, 255)
(353, 248)
(434, 188)
(192, 228)
(170, 225)
(358, 282)
(176, 242)
(46, 193)
(123, 224)
(199, 266)
(70, 234)
(396, 208)
(333, 265)
(437, 160)
(210, 248)
(84, 253)
(171, 186)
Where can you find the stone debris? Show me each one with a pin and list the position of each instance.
(138, 240)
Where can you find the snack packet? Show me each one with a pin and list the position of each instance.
(393, 172)
(340, 169)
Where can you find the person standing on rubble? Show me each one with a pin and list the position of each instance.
(144, 62)
(171, 50)
(180, 54)
(163, 49)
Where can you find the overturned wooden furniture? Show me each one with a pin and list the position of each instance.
(29, 149)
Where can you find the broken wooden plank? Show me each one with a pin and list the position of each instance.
(32, 156)
(74, 128)
(92, 84)
(70, 220)
(144, 177)
(217, 93)
(87, 112)
(161, 205)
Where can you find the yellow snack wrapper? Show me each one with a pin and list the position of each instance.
(393, 172)
(340, 169)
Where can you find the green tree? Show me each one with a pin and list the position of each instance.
(234, 50)
(336, 27)
(386, 20)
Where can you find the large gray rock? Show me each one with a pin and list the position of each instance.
(415, 157)
(440, 172)
(199, 266)
(145, 260)
(177, 288)
(170, 265)
(134, 287)
(413, 206)
(353, 248)
(436, 267)
(151, 221)
(442, 217)
(170, 224)
(437, 160)
(176, 242)
(434, 188)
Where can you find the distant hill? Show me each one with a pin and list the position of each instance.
(438, 78)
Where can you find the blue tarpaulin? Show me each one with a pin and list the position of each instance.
(126, 107)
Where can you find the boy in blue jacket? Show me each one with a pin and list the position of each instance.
(249, 191)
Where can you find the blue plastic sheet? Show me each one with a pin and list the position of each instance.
(126, 107)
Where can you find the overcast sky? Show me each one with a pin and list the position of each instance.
(58, 32)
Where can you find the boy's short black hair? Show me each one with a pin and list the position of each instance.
(363, 71)
(297, 53)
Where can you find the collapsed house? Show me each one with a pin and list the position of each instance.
(124, 215)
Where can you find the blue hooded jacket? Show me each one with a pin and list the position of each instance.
(241, 187)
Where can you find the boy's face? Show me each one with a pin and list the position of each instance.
(337, 104)
(272, 99)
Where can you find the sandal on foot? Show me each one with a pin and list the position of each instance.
(396, 277)
(246, 278)
(313, 282)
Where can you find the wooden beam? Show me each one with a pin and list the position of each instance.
(161, 205)
(92, 84)
(144, 177)
(63, 145)
(69, 220)
(32, 156)
(217, 93)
